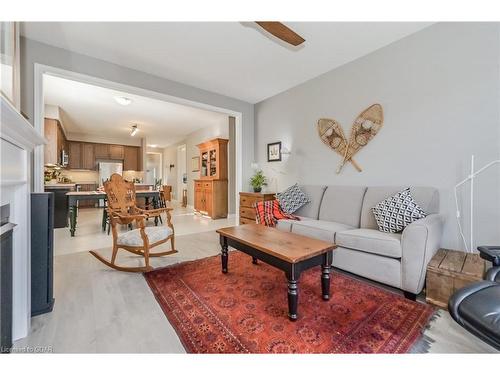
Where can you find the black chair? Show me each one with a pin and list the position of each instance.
(477, 306)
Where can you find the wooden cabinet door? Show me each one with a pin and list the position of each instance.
(50, 149)
(88, 159)
(198, 197)
(130, 158)
(116, 152)
(101, 151)
(207, 197)
(75, 155)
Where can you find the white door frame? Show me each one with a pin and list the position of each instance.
(40, 70)
(161, 162)
(179, 178)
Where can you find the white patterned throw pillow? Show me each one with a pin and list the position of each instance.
(395, 213)
(292, 199)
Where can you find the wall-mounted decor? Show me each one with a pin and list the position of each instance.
(195, 164)
(274, 151)
(364, 128)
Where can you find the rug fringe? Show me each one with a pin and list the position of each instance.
(423, 345)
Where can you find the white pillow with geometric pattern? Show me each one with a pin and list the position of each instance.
(395, 213)
(292, 199)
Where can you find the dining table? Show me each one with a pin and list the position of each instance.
(76, 196)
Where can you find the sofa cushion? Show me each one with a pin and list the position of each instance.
(319, 229)
(426, 197)
(342, 204)
(133, 237)
(371, 241)
(286, 224)
(315, 195)
(291, 199)
(395, 213)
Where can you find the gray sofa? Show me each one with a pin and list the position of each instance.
(342, 214)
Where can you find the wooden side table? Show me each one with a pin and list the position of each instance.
(450, 270)
(247, 200)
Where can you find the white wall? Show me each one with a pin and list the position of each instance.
(439, 89)
(170, 174)
(34, 52)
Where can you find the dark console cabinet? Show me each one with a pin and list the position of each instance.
(6, 292)
(6, 248)
(42, 252)
(60, 205)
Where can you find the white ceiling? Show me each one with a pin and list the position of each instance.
(92, 110)
(231, 58)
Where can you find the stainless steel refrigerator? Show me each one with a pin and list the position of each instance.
(106, 169)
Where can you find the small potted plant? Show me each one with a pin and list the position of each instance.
(257, 181)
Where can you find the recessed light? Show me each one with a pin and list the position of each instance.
(122, 100)
(154, 146)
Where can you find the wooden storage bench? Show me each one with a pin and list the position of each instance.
(450, 270)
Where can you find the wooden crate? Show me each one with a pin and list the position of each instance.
(450, 270)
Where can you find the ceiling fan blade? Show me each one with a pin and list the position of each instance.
(282, 32)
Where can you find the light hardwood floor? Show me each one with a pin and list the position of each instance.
(100, 310)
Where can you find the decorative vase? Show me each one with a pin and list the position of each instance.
(257, 189)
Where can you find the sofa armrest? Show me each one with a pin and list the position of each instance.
(419, 242)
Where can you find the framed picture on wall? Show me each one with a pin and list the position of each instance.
(274, 151)
(195, 164)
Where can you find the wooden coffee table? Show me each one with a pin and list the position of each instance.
(290, 252)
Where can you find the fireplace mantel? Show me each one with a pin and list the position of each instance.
(16, 129)
(18, 139)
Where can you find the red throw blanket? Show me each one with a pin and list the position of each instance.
(269, 212)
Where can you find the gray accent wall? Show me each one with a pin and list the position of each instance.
(35, 52)
(439, 89)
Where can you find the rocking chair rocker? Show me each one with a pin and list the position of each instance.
(122, 210)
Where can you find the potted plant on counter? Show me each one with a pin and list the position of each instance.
(257, 181)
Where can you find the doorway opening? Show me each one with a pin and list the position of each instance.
(181, 173)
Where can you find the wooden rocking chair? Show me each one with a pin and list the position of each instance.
(122, 210)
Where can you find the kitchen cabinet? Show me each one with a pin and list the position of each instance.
(75, 155)
(116, 152)
(131, 158)
(56, 141)
(101, 151)
(109, 152)
(87, 156)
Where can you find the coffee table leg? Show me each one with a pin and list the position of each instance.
(293, 297)
(224, 254)
(325, 276)
(254, 260)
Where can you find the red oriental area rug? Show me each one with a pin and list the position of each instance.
(245, 311)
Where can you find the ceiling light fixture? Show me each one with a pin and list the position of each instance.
(122, 100)
(154, 146)
(135, 129)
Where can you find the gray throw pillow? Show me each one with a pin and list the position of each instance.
(292, 199)
(395, 213)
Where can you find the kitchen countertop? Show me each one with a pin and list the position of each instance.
(59, 186)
